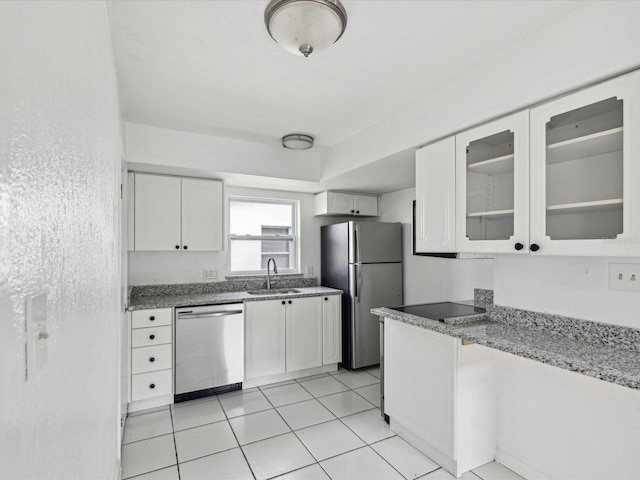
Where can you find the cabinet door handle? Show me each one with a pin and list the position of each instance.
(289, 302)
(519, 246)
(325, 299)
(177, 247)
(283, 302)
(534, 247)
(152, 359)
(353, 211)
(357, 211)
(152, 337)
(152, 318)
(185, 247)
(152, 386)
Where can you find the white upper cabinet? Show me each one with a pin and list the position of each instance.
(172, 213)
(157, 212)
(585, 171)
(492, 185)
(365, 205)
(338, 203)
(201, 214)
(436, 197)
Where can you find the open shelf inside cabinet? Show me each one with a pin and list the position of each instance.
(492, 214)
(493, 166)
(608, 205)
(586, 146)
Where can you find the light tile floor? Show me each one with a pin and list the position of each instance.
(326, 427)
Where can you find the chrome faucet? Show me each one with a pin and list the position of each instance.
(275, 271)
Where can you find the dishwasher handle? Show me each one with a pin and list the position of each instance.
(208, 314)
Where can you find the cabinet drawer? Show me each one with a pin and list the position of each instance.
(151, 318)
(145, 337)
(148, 385)
(150, 359)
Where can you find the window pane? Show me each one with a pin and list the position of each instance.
(249, 218)
(251, 255)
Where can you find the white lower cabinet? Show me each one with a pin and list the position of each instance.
(331, 329)
(440, 395)
(264, 343)
(557, 424)
(304, 333)
(151, 355)
(290, 335)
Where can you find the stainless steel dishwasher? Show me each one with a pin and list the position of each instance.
(209, 350)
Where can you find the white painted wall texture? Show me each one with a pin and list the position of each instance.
(59, 187)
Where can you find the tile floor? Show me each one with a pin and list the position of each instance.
(325, 427)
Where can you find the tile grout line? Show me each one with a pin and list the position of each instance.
(175, 446)
(294, 434)
(236, 437)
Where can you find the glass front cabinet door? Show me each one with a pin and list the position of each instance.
(585, 175)
(492, 187)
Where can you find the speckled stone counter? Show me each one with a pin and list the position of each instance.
(606, 352)
(187, 298)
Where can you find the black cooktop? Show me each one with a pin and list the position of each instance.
(440, 311)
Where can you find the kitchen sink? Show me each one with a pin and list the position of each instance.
(273, 291)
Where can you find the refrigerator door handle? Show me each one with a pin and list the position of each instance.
(357, 241)
(358, 282)
(355, 283)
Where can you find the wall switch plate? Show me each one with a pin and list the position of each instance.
(624, 276)
(309, 270)
(209, 274)
(37, 335)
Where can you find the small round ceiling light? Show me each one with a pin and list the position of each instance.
(305, 26)
(297, 141)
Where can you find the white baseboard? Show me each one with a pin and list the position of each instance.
(283, 377)
(519, 466)
(150, 403)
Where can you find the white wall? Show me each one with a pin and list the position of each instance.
(430, 279)
(147, 268)
(597, 40)
(165, 147)
(59, 188)
(572, 286)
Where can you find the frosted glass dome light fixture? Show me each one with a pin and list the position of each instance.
(297, 141)
(305, 26)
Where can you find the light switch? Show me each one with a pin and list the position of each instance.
(37, 335)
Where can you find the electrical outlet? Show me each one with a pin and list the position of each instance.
(209, 274)
(309, 270)
(624, 276)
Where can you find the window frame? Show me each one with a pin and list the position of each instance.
(294, 237)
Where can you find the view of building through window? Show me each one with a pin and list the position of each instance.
(259, 230)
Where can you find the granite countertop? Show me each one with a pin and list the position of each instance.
(609, 362)
(142, 302)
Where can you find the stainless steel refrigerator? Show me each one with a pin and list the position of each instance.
(364, 259)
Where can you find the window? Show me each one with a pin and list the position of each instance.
(260, 229)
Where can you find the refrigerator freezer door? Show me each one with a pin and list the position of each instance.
(373, 285)
(375, 242)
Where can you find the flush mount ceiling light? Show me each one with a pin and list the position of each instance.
(297, 141)
(305, 26)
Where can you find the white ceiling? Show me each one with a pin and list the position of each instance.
(210, 67)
